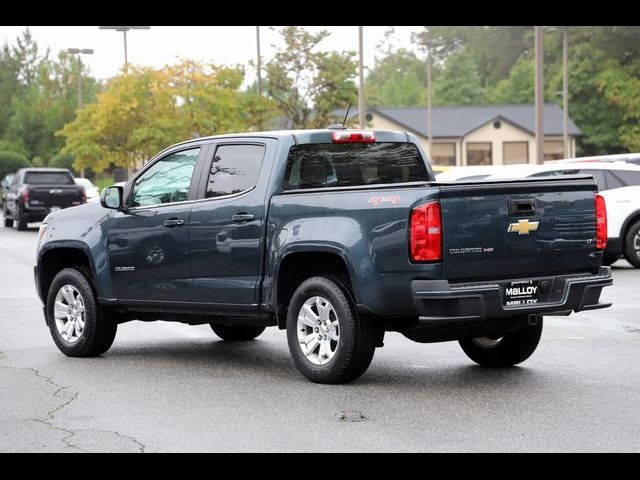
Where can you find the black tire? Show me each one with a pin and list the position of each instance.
(236, 333)
(511, 349)
(21, 222)
(99, 327)
(631, 243)
(357, 336)
(8, 222)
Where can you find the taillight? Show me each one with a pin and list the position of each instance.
(353, 136)
(601, 223)
(24, 195)
(426, 233)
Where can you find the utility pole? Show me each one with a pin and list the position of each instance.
(565, 93)
(77, 52)
(259, 61)
(539, 94)
(124, 30)
(361, 89)
(429, 99)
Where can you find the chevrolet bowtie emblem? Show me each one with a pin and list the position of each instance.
(523, 227)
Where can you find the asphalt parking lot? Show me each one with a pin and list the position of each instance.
(171, 387)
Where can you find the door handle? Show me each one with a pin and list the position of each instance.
(242, 217)
(173, 222)
(524, 206)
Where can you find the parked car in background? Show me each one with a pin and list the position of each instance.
(35, 192)
(93, 195)
(633, 158)
(607, 175)
(623, 227)
(470, 173)
(4, 187)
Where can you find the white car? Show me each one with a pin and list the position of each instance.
(90, 189)
(623, 225)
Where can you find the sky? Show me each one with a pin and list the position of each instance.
(163, 45)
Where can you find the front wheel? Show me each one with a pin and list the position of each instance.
(506, 351)
(632, 245)
(78, 325)
(327, 339)
(236, 333)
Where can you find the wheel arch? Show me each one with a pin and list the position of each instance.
(632, 219)
(301, 262)
(56, 256)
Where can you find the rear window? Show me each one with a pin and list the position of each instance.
(353, 164)
(48, 178)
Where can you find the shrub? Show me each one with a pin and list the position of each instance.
(12, 161)
(61, 160)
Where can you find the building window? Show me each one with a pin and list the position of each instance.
(553, 150)
(479, 153)
(515, 152)
(443, 154)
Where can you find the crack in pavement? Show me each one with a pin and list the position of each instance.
(51, 413)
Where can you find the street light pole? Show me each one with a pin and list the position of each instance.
(361, 71)
(124, 30)
(259, 61)
(77, 52)
(429, 101)
(539, 95)
(565, 92)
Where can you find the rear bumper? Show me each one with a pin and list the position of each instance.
(439, 301)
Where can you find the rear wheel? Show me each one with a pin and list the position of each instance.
(632, 245)
(21, 222)
(236, 333)
(505, 351)
(78, 325)
(327, 339)
(8, 222)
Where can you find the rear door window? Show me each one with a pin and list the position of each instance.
(625, 178)
(353, 164)
(234, 169)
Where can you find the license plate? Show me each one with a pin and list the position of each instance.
(523, 292)
(54, 209)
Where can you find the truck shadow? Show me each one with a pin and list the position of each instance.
(270, 359)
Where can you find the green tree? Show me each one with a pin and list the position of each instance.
(459, 83)
(145, 110)
(518, 87)
(12, 161)
(397, 79)
(308, 84)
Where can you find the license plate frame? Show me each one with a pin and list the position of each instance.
(55, 208)
(521, 292)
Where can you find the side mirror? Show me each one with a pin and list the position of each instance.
(111, 197)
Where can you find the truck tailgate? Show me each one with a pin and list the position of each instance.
(48, 196)
(518, 229)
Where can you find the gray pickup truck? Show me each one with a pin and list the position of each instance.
(335, 235)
